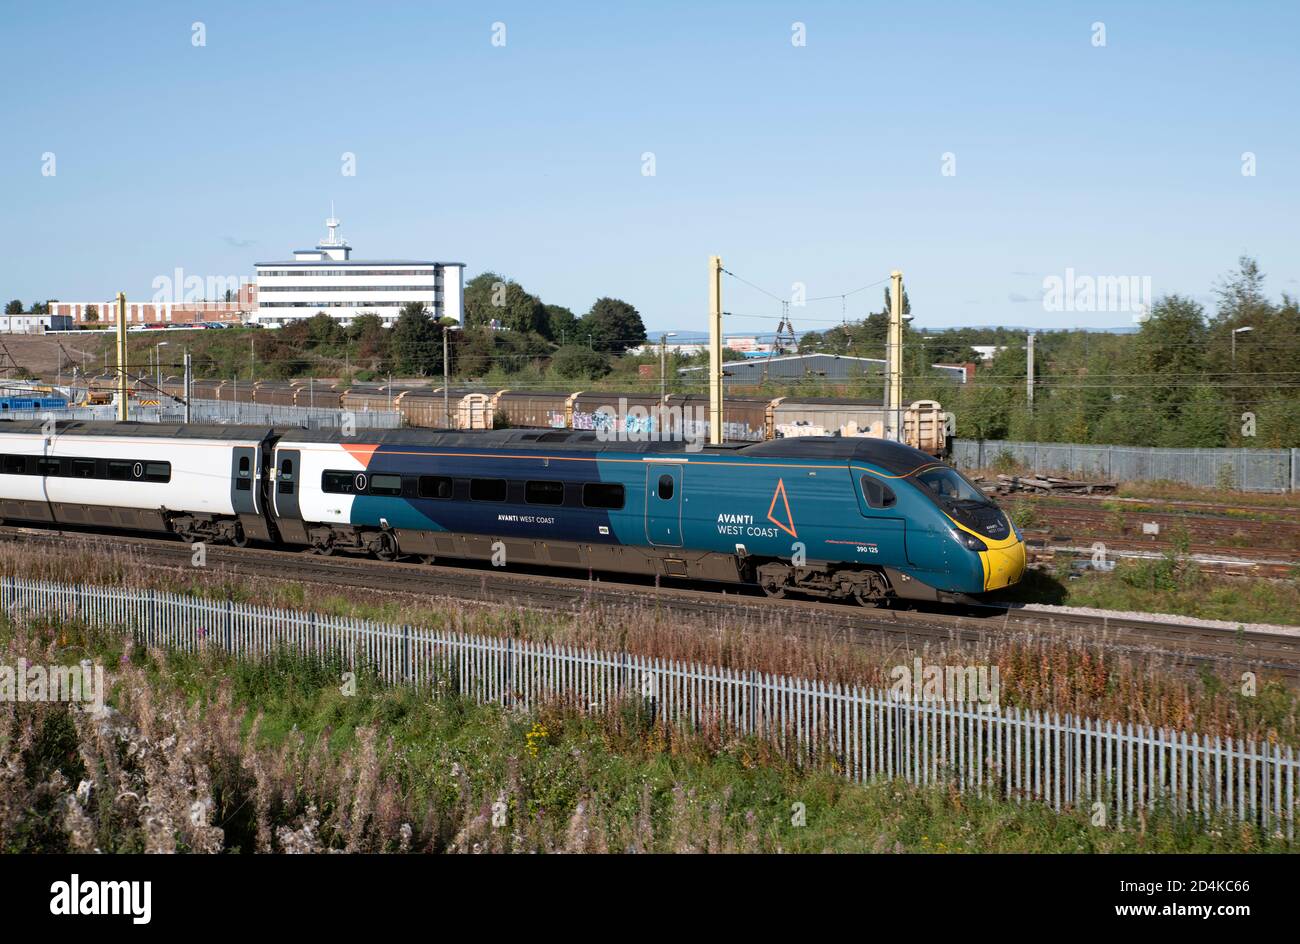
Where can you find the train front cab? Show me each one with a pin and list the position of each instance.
(1002, 563)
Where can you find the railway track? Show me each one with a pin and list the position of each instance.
(1180, 643)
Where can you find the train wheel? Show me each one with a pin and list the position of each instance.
(866, 599)
(386, 547)
(240, 539)
(775, 591)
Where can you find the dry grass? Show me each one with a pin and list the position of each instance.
(205, 754)
(1061, 672)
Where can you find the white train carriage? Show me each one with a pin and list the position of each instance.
(305, 512)
(203, 483)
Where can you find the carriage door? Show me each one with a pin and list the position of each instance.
(663, 505)
(243, 477)
(285, 478)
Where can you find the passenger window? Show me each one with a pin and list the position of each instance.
(544, 493)
(435, 486)
(385, 485)
(157, 471)
(487, 490)
(50, 467)
(119, 470)
(602, 495)
(879, 495)
(83, 468)
(286, 477)
(338, 483)
(244, 483)
(665, 487)
(13, 465)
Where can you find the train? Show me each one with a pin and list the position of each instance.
(842, 518)
(750, 419)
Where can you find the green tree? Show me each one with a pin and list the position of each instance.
(1167, 356)
(15, 307)
(578, 363)
(562, 326)
(92, 313)
(490, 297)
(416, 342)
(613, 325)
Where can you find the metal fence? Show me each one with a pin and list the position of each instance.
(224, 413)
(1252, 470)
(266, 414)
(865, 733)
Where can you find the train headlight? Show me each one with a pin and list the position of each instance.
(971, 542)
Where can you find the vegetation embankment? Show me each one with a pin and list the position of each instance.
(1063, 672)
(202, 753)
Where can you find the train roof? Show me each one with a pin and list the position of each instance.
(129, 428)
(894, 457)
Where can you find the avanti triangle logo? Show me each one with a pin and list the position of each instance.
(788, 525)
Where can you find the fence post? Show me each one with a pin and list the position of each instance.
(229, 628)
(406, 653)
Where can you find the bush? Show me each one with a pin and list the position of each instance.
(578, 363)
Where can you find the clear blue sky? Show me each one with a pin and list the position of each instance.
(818, 164)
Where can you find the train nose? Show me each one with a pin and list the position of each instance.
(1004, 566)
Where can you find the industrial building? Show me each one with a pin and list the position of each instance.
(827, 367)
(326, 278)
(33, 324)
(97, 313)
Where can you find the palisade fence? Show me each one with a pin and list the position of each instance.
(269, 414)
(1251, 470)
(225, 412)
(864, 733)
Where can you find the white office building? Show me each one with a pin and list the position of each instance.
(328, 279)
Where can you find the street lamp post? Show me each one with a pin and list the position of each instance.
(446, 375)
(1235, 332)
(157, 352)
(663, 363)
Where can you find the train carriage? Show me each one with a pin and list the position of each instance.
(199, 482)
(835, 517)
(826, 516)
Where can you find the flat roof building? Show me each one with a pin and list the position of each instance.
(326, 278)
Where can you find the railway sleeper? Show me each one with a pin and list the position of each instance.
(866, 585)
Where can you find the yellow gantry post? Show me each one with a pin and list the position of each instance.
(121, 357)
(715, 350)
(895, 357)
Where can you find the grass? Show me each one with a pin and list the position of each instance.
(1048, 671)
(1178, 491)
(203, 753)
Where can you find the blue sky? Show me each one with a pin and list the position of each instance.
(818, 164)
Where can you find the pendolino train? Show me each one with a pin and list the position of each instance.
(834, 517)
